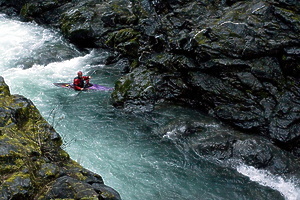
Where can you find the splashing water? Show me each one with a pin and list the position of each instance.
(286, 187)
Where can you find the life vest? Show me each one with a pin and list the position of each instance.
(79, 83)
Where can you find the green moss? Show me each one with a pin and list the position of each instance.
(4, 102)
(19, 163)
(200, 38)
(123, 88)
(28, 10)
(7, 168)
(290, 14)
(64, 155)
(4, 90)
(80, 176)
(125, 41)
(74, 20)
(49, 173)
(117, 7)
(72, 164)
(284, 57)
(134, 64)
(16, 175)
(68, 20)
(123, 35)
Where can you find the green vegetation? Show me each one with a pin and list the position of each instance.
(125, 41)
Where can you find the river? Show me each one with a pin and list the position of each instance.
(125, 149)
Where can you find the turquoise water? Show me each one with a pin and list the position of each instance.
(130, 151)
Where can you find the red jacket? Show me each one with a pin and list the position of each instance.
(79, 82)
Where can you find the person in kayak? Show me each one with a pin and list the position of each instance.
(81, 82)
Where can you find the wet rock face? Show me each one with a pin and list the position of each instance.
(228, 147)
(233, 64)
(32, 163)
(237, 60)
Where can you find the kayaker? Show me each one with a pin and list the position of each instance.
(81, 82)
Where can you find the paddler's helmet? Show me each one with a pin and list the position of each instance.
(79, 73)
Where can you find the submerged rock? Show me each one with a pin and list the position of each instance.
(32, 163)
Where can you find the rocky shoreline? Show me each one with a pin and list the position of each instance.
(32, 163)
(236, 60)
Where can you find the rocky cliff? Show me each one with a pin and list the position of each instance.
(32, 163)
(237, 60)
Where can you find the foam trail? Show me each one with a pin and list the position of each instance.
(19, 40)
(287, 188)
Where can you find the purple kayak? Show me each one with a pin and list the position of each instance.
(92, 87)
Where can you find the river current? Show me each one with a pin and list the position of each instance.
(127, 150)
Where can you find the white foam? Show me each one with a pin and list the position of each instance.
(288, 188)
(44, 75)
(19, 42)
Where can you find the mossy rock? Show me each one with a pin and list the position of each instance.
(4, 89)
(75, 24)
(121, 36)
(17, 186)
(30, 10)
(125, 41)
(135, 88)
(121, 9)
(122, 86)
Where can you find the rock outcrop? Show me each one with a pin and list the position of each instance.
(32, 163)
(227, 147)
(237, 60)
